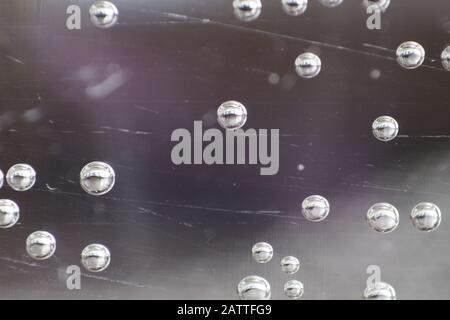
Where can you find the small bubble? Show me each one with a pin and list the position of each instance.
(294, 7)
(379, 291)
(254, 288)
(315, 208)
(274, 78)
(104, 14)
(41, 245)
(382, 4)
(410, 55)
(375, 74)
(383, 217)
(9, 213)
(445, 57)
(232, 115)
(262, 252)
(308, 65)
(21, 177)
(247, 10)
(1, 179)
(293, 289)
(385, 128)
(95, 257)
(301, 167)
(426, 216)
(97, 178)
(331, 3)
(290, 265)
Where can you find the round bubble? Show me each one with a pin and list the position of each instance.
(379, 291)
(445, 57)
(21, 177)
(315, 208)
(104, 14)
(290, 265)
(262, 252)
(294, 7)
(41, 245)
(232, 115)
(410, 55)
(97, 178)
(385, 128)
(247, 10)
(254, 288)
(308, 65)
(95, 258)
(426, 216)
(382, 4)
(383, 217)
(9, 213)
(293, 289)
(331, 3)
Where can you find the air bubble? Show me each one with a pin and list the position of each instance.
(21, 177)
(41, 245)
(232, 115)
(294, 7)
(315, 208)
(104, 14)
(410, 55)
(247, 10)
(97, 178)
(382, 4)
(385, 128)
(331, 3)
(254, 288)
(262, 252)
(95, 257)
(293, 289)
(1, 179)
(379, 291)
(445, 57)
(308, 65)
(383, 217)
(426, 216)
(290, 265)
(9, 213)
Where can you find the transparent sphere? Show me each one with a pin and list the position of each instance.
(385, 128)
(1, 179)
(97, 178)
(294, 7)
(254, 288)
(262, 252)
(308, 65)
(331, 3)
(382, 4)
(95, 257)
(290, 265)
(247, 10)
(315, 208)
(410, 55)
(41, 245)
(293, 289)
(9, 213)
(104, 14)
(21, 177)
(383, 217)
(379, 291)
(445, 57)
(426, 216)
(232, 115)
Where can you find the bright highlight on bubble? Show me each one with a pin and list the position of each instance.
(383, 217)
(254, 288)
(294, 7)
(410, 55)
(262, 252)
(104, 14)
(9, 213)
(21, 177)
(95, 258)
(293, 289)
(385, 128)
(331, 3)
(445, 57)
(382, 4)
(97, 178)
(308, 65)
(232, 115)
(315, 208)
(247, 10)
(426, 216)
(41, 245)
(290, 265)
(380, 291)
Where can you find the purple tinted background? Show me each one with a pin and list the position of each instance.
(186, 231)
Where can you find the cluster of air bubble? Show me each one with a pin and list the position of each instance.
(257, 288)
(384, 217)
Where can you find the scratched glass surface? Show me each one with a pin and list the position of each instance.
(71, 97)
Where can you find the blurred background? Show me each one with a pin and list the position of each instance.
(186, 232)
